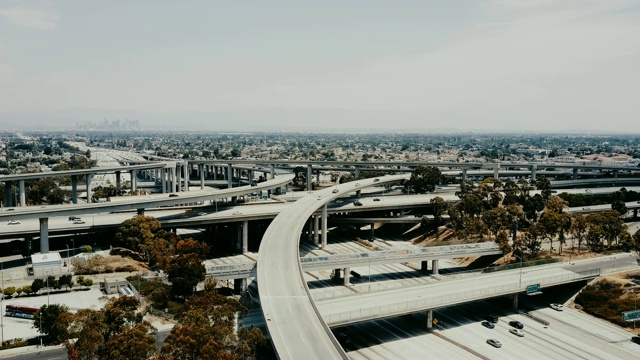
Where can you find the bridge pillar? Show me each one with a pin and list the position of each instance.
(201, 175)
(140, 211)
(496, 171)
(273, 171)
(318, 176)
(575, 174)
(23, 198)
(245, 236)
(118, 180)
(324, 227)
(424, 266)
(185, 175)
(534, 167)
(429, 319)
(515, 301)
(229, 176)
(435, 267)
(240, 286)
(635, 213)
(316, 225)
(356, 172)
(373, 232)
(347, 276)
(173, 179)
(464, 174)
(8, 197)
(250, 177)
(163, 180)
(615, 176)
(309, 177)
(87, 180)
(74, 189)
(133, 174)
(27, 244)
(337, 274)
(44, 235)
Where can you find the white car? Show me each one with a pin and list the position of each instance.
(335, 191)
(237, 213)
(557, 307)
(13, 222)
(517, 332)
(78, 221)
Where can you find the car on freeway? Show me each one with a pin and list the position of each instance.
(636, 339)
(376, 199)
(357, 203)
(588, 191)
(11, 209)
(517, 332)
(586, 208)
(357, 184)
(491, 318)
(13, 222)
(173, 195)
(494, 343)
(202, 213)
(376, 180)
(335, 191)
(319, 197)
(557, 307)
(78, 221)
(488, 325)
(73, 218)
(516, 324)
(236, 213)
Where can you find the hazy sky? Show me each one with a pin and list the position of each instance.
(468, 65)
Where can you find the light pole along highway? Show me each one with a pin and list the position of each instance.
(297, 330)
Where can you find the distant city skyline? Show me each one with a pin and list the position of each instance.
(471, 65)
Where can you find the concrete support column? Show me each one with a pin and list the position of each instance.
(435, 266)
(347, 276)
(273, 171)
(173, 179)
(575, 174)
(615, 176)
(534, 168)
(140, 212)
(240, 286)
(496, 171)
(515, 301)
(424, 266)
(229, 176)
(44, 235)
(185, 174)
(201, 174)
(309, 177)
(429, 319)
(337, 274)
(318, 176)
(23, 196)
(464, 174)
(309, 224)
(87, 180)
(372, 233)
(8, 197)
(74, 189)
(316, 225)
(357, 172)
(118, 181)
(163, 180)
(324, 226)
(134, 179)
(250, 177)
(635, 213)
(245, 237)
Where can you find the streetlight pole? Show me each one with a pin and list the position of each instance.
(520, 282)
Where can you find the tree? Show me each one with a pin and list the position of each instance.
(620, 207)
(423, 180)
(27, 289)
(136, 342)
(45, 319)
(66, 281)
(121, 314)
(185, 272)
(37, 284)
(137, 233)
(579, 228)
(9, 291)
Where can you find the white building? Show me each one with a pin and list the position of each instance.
(46, 264)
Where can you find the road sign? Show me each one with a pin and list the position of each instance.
(631, 315)
(435, 321)
(533, 289)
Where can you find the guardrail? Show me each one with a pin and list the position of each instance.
(229, 269)
(434, 302)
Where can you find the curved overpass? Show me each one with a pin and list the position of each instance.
(295, 325)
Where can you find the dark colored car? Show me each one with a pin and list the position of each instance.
(357, 203)
(636, 339)
(516, 324)
(173, 195)
(491, 318)
(72, 218)
(488, 324)
(376, 199)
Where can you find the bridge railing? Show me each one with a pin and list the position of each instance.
(434, 302)
(229, 269)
